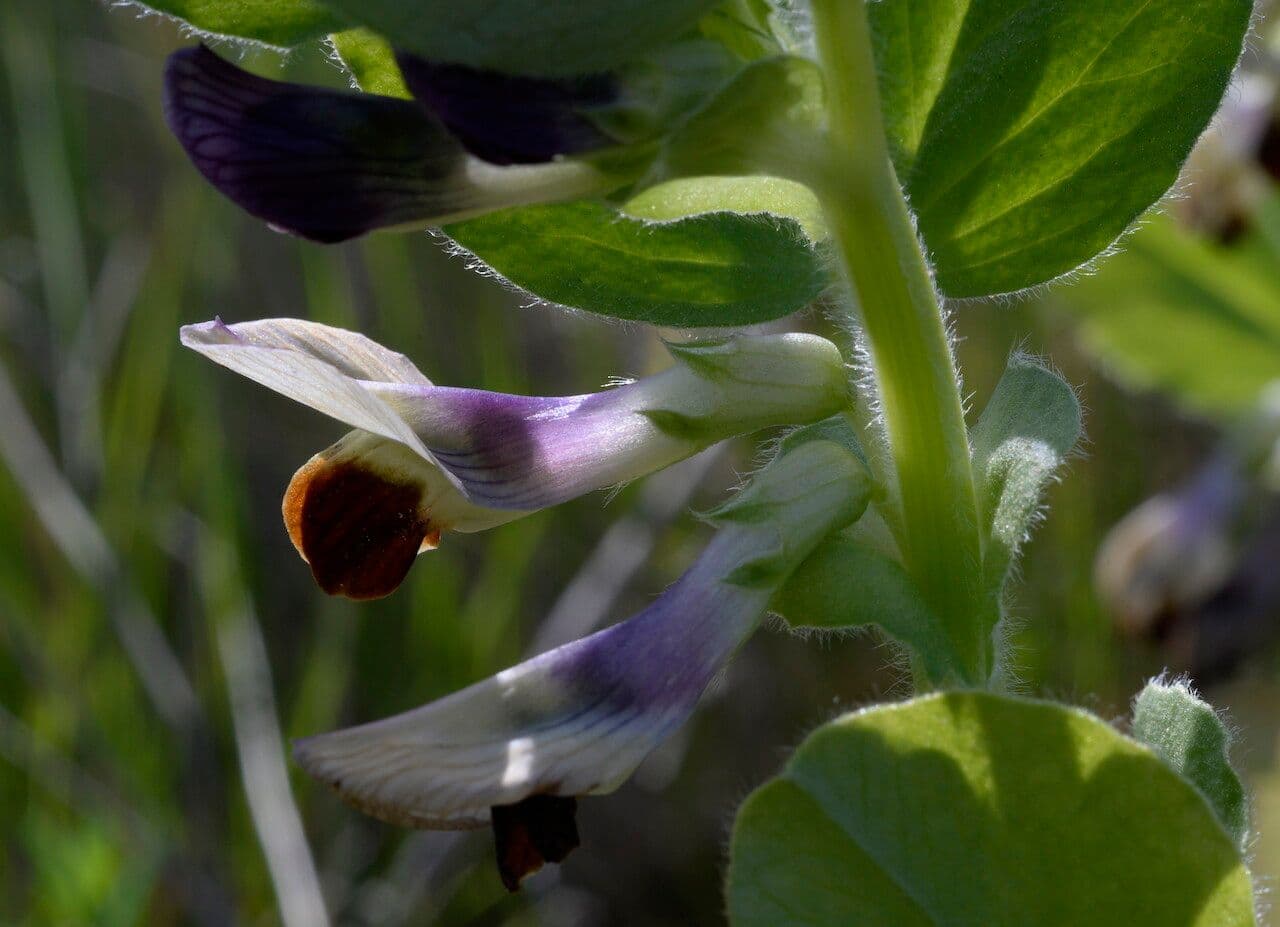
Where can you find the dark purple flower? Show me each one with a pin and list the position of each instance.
(508, 119)
(331, 165)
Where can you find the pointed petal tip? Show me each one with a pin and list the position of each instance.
(215, 331)
(359, 528)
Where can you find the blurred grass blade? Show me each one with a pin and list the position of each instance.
(82, 542)
(259, 743)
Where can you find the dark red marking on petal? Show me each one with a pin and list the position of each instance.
(359, 530)
(541, 829)
(324, 164)
(507, 119)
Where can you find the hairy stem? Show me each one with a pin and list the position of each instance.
(914, 371)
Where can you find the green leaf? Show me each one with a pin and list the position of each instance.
(688, 196)
(715, 269)
(847, 583)
(371, 62)
(975, 810)
(745, 27)
(1031, 134)
(1187, 734)
(1030, 424)
(750, 123)
(536, 37)
(1198, 320)
(272, 22)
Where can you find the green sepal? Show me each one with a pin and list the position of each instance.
(696, 429)
(727, 386)
(835, 429)
(1030, 424)
(817, 483)
(767, 570)
(1192, 739)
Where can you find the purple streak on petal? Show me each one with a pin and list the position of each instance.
(661, 659)
(324, 164)
(528, 452)
(506, 119)
(573, 721)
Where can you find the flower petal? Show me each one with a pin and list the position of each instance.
(510, 119)
(359, 514)
(428, 458)
(317, 365)
(331, 165)
(527, 452)
(578, 719)
(541, 829)
(574, 721)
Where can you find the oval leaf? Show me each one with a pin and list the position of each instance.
(536, 37)
(975, 809)
(688, 196)
(713, 269)
(1030, 135)
(272, 22)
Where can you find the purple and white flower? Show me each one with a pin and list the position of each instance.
(425, 459)
(516, 750)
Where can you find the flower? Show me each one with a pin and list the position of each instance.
(516, 750)
(1172, 551)
(425, 459)
(508, 119)
(329, 165)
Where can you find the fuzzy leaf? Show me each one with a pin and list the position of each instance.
(733, 133)
(976, 810)
(551, 38)
(1030, 135)
(1030, 424)
(371, 61)
(1187, 734)
(713, 269)
(690, 196)
(271, 22)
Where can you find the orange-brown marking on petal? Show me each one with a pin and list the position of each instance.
(359, 530)
(540, 829)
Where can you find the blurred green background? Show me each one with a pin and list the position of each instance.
(160, 641)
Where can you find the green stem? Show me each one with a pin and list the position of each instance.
(915, 374)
